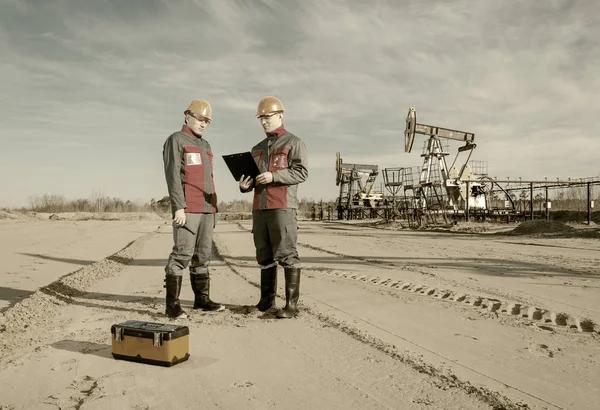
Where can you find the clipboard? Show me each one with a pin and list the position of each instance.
(241, 164)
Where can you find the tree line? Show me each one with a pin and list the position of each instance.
(54, 203)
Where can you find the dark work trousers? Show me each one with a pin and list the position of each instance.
(192, 248)
(275, 233)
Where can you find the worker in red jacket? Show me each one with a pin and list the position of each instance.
(188, 164)
(282, 160)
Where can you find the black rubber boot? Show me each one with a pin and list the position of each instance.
(201, 288)
(268, 288)
(292, 293)
(173, 286)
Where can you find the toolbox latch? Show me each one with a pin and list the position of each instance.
(118, 334)
(157, 342)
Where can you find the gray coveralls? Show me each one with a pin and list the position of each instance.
(193, 249)
(274, 217)
(188, 162)
(274, 209)
(275, 233)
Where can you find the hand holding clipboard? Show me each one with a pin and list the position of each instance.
(242, 165)
(246, 183)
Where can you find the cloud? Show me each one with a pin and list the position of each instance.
(522, 76)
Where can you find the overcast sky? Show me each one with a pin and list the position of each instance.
(90, 90)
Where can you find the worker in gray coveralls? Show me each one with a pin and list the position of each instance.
(282, 160)
(188, 163)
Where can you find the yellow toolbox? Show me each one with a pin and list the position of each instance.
(152, 343)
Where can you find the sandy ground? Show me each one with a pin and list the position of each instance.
(389, 320)
(36, 254)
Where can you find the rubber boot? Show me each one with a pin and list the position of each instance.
(173, 286)
(292, 293)
(268, 288)
(201, 288)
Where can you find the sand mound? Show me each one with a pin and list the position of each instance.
(7, 215)
(541, 227)
(479, 227)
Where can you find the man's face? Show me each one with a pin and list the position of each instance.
(197, 124)
(271, 122)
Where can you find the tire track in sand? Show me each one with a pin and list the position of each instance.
(509, 308)
(20, 325)
(444, 379)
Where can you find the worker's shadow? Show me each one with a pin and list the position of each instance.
(251, 310)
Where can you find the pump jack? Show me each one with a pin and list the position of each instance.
(354, 194)
(427, 191)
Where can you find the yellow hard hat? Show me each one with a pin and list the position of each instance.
(269, 105)
(200, 108)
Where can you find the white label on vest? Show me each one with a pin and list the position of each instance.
(193, 158)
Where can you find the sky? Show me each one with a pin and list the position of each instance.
(90, 90)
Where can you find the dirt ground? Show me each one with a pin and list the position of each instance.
(472, 317)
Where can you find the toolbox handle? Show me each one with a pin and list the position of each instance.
(159, 332)
(157, 337)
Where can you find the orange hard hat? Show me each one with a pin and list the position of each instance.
(269, 105)
(200, 108)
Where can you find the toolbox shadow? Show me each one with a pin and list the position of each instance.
(80, 346)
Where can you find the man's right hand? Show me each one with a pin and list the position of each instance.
(179, 218)
(245, 183)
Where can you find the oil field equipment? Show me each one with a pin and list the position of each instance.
(440, 186)
(356, 197)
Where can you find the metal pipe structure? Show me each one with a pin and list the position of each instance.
(560, 183)
(589, 203)
(547, 208)
(467, 203)
(531, 201)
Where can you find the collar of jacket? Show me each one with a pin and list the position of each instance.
(277, 132)
(187, 130)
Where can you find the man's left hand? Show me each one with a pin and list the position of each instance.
(264, 178)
